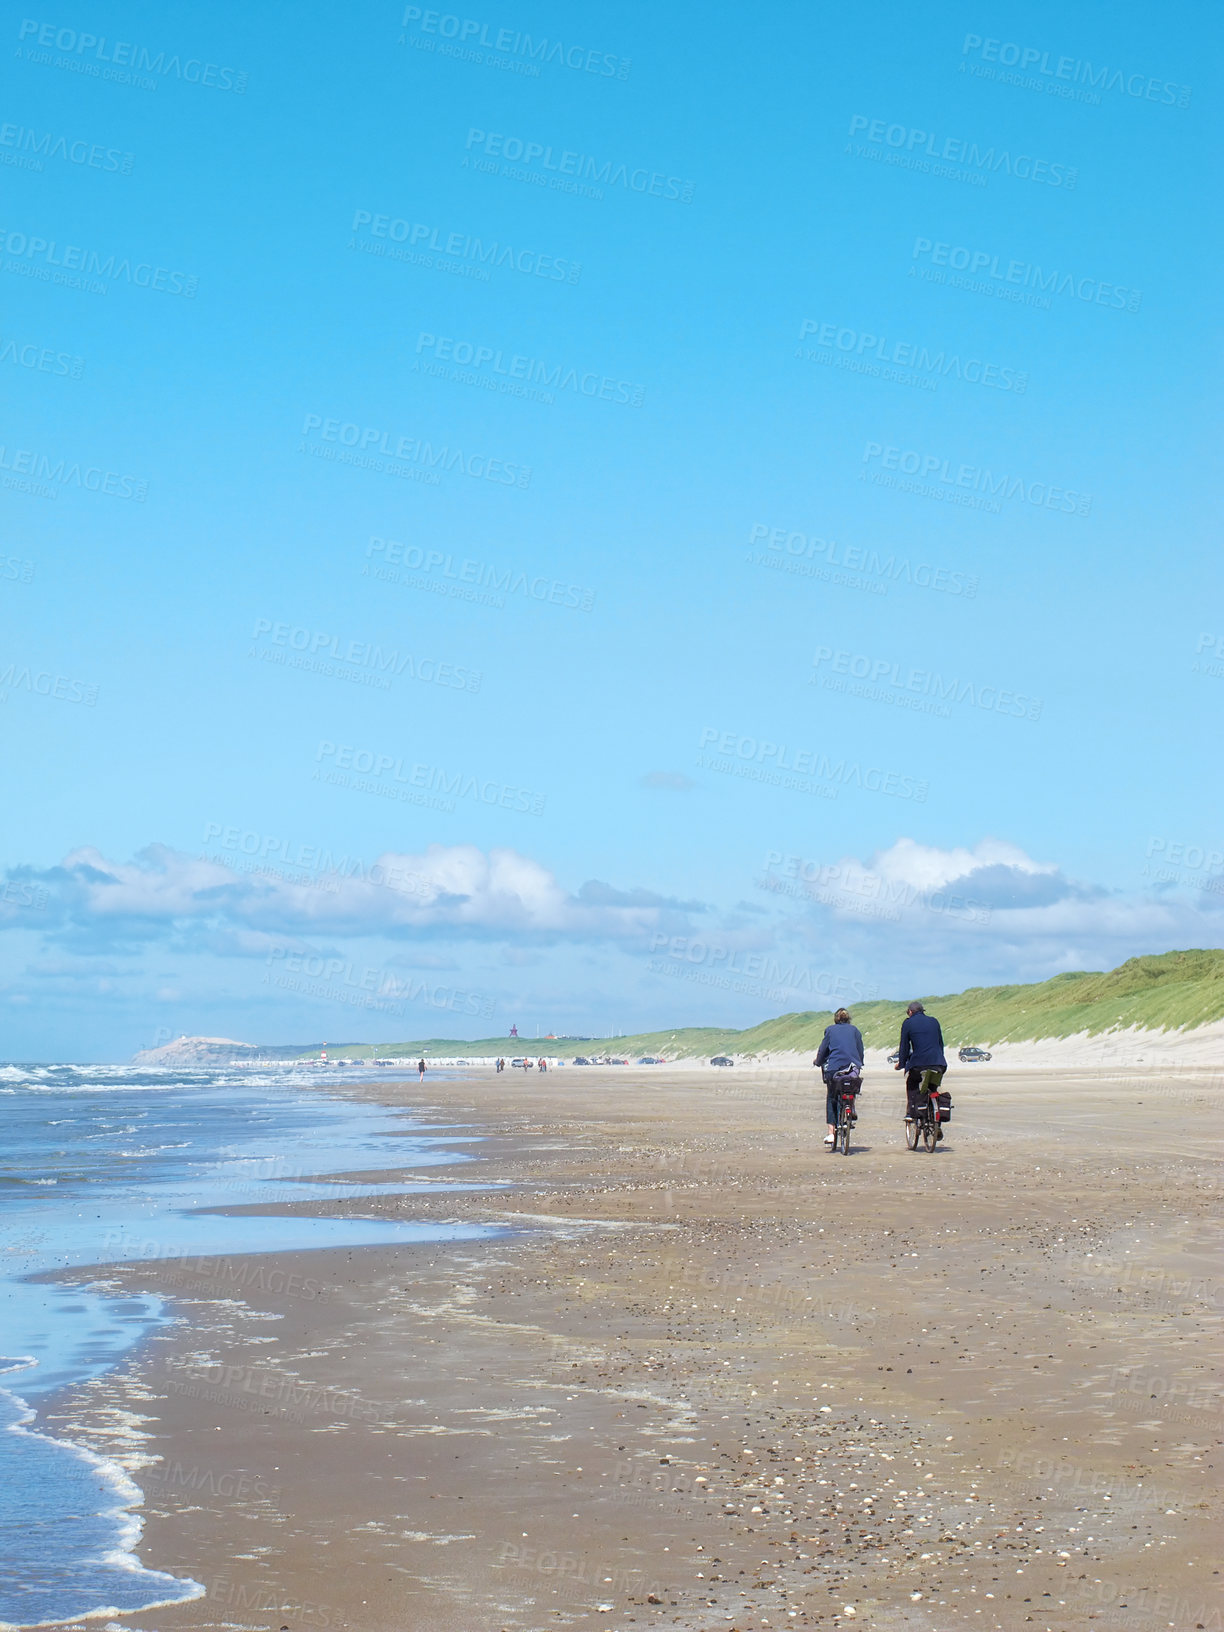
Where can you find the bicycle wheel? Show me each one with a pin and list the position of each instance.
(911, 1134)
(930, 1136)
(843, 1135)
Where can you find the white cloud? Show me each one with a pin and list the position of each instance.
(924, 868)
(910, 879)
(1013, 917)
(456, 889)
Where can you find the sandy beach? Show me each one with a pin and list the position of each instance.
(710, 1376)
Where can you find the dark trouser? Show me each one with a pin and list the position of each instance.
(916, 1100)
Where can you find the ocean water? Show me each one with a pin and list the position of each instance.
(104, 1164)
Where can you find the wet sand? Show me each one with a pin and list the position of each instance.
(711, 1376)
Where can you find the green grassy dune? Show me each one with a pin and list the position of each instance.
(1169, 992)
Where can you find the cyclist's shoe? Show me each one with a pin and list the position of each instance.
(829, 1138)
(938, 1134)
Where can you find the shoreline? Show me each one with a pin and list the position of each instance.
(1179, 1048)
(688, 1279)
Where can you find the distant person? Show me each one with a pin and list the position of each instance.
(501, 1064)
(840, 1053)
(543, 1063)
(421, 1069)
(922, 1050)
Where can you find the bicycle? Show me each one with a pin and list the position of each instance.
(847, 1092)
(927, 1125)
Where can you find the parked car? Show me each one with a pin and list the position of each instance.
(649, 1059)
(618, 1062)
(580, 1061)
(721, 1059)
(523, 1065)
(973, 1055)
(895, 1057)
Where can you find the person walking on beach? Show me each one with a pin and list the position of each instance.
(922, 1050)
(543, 1063)
(840, 1051)
(421, 1069)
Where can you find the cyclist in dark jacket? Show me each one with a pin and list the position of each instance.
(922, 1049)
(841, 1049)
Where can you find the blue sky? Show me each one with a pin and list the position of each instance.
(595, 519)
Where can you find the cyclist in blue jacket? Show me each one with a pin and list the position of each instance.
(840, 1051)
(922, 1049)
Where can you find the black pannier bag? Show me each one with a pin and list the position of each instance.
(944, 1101)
